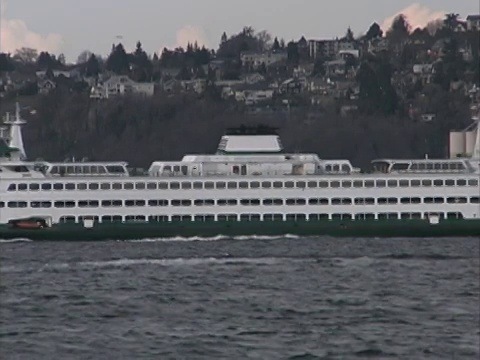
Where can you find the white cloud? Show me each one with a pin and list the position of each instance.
(417, 16)
(15, 34)
(191, 34)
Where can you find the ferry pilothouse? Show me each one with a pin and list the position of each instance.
(249, 186)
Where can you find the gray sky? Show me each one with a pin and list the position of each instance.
(70, 26)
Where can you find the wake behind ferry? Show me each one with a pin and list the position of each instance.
(250, 186)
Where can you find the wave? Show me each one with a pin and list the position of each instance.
(8, 241)
(216, 238)
(119, 263)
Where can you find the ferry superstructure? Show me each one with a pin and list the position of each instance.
(249, 186)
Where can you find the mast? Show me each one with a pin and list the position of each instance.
(476, 149)
(16, 140)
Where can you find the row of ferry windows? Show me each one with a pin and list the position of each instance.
(264, 217)
(242, 185)
(244, 202)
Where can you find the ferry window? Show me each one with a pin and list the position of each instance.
(93, 186)
(461, 182)
(128, 186)
(473, 182)
(369, 183)
(301, 184)
(198, 185)
(221, 185)
(438, 200)
(360, 201)
(336, 201)
(41, 204)
(457, 200)
(12, 187)
(158, 203)
(295, 201)
(2, 204)
(312, 184)
(296, 217)
(209, 185)
(403, 183)
(277, 185)
(115, 169)
(105, 186)
(46, 186)
(318, 217)
(454, 215)
(232, 185)
(130, 203)
(335, 184)
(227, 217)
(82, 186)
(358, 183)
(381, 183)
(117, 186)
(186, 185)
(111, 203)
(134, 218)
(250, 202)
(289, 184)
(58, 186)
(415, 183)
(140, 186)
(426, 182)
(449, 182)
(174, 186)
(415, 200)
(428, 200)
(438, 166)
(266, 184)
(236, 170)
(273, 217)
(345, 168)
(34, 187)
(224, 202)
(17, 204)
(328, 168)
(437, 182)
(243, 185)
(254, 185)
(69, 186)
(315, 201)
(392, 183)
(323, 184)
(88, 203)
(475, 200)
(163, 185)
(268, 202)
(22, 187)
(67, 219)
(346, 184)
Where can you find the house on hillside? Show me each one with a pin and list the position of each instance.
(45, 86)
(473, 22)
(121, 85)
(253, 59)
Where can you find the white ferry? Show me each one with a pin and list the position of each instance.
(249, 187)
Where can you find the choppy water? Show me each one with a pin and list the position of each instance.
(285, 298)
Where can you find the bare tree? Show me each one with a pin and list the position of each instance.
(26, 55)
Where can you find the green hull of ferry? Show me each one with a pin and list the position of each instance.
(136, 230)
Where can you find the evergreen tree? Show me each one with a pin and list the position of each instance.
(224, 38)
(117, 61)
(349, 35)
(276, 45)
(92, 67)
(374, 32)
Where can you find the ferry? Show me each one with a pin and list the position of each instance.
(250, 186)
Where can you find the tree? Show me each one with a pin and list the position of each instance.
(349, 35)
(46, 61)
(26, 55)
(117, 61)
(399, 30)
(6, 63)
(84, 56)
(61, 59)
(224, 38)
(451, 21)
(293, 55)
(276, 45)
(374, 32)
(92, 68)
(264, 40)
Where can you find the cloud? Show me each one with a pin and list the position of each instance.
(191, 34)
(15, 34)
(417, 16)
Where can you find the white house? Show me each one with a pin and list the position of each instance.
(121, 85)
(256, 59)
(473, 22)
